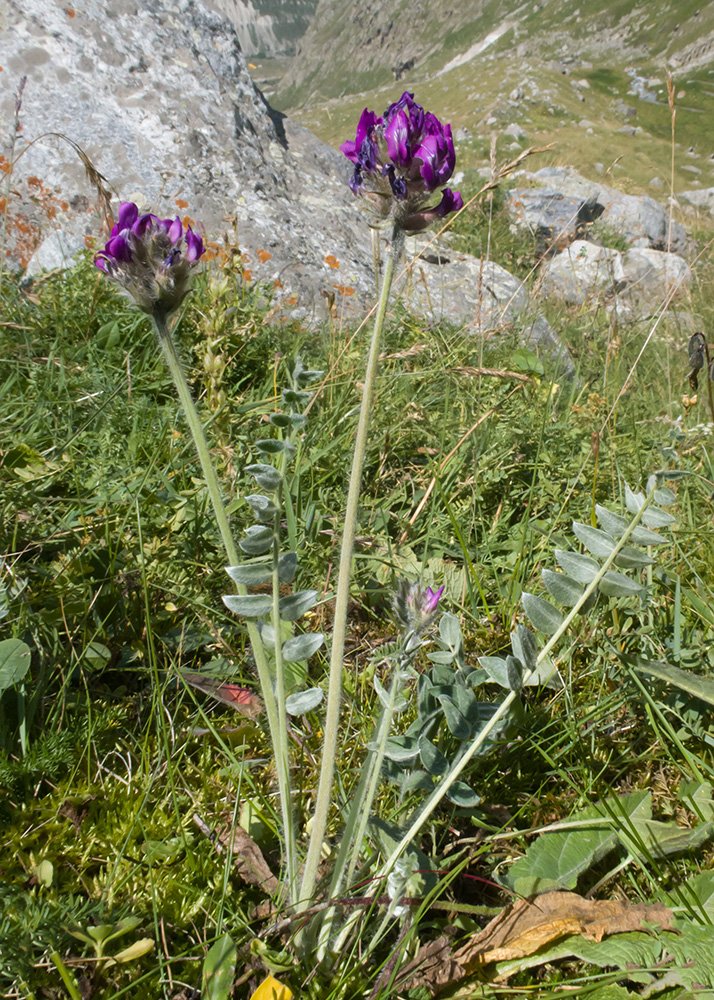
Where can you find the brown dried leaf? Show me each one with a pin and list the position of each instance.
(248, 859)
(526, 926)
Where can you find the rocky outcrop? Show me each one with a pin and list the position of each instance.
(638, 283)
(158, 96)
(641, 220)
(268, 27)
(554, 219)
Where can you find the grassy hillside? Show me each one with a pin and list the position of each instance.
(571, 76)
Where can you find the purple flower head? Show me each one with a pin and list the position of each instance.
(416, 606)
(400, 160)
(150, 258)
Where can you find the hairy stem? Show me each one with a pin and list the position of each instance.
(214, 491)
(332, 712)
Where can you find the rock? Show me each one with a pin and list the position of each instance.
(626, 110)
(630, 216)
(637, 283)
(656, 182)
(159, 97)
(516, 131)
(517, 94)
(536, 332)
(651, 277)
(627, 130)
(691, 168)
(555, 219)
(700, 199)
(586, 123)
(581, 271)
(58, 251)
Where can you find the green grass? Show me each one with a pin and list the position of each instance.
(113, 576)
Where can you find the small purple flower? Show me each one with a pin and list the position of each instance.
(151, 258)
(400, 160)
(416, 606)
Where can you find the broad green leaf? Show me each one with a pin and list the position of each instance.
(525, 646)
(633, 501)
(697, 796)
(515, 673)
(264, 510)
(562, 588)
(458, 725)
(432, 758)
(653, 517)
(400, 749)
(417, 779)
(250, 574)
(297, 604)
(248, 605)
(97, 654)
(219, 969)
(297, 398)
(613, 524)
(700, 687)
(272, 446)
(280, 420)
(664, 496)
(303, 701)
(461, 795)
(15, 657)
(596, 541)
(629, 951)
(643, 536)
(135, 951)
(629, 558)
(287, 565)
(693, 898)
(44, 871)
(496, 668)
(582, 568)
(541, 614)
(443, 656)
(265, 476)
(650, 839)
(693, 957)
(555, 860)
(450, 630)
(616, 585)
(256, 541)
(301, 647)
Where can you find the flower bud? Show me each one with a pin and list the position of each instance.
(400, 160)
(151, 258)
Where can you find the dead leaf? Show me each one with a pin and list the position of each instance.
(529, 924)
(526, 926)
(248, 859)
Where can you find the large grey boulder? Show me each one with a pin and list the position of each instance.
(581, 271)
(639, 282)
(554, 218)
(158, 96)
(641, 220)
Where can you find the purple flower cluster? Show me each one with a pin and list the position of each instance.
(151, 258)
(416, 606)
(400, 160)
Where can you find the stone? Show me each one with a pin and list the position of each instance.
(158, 96)
(656, 182)
(59, 250)
(631, 216)
(553, 218)
(581, 272)
(515, 131)
(700, 199)
(636, 284)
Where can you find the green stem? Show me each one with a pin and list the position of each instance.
(214, 491)
(460, 763)
(332, 712)
(282, 754)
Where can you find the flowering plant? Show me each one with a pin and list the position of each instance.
(400, 160)
(151, 258)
